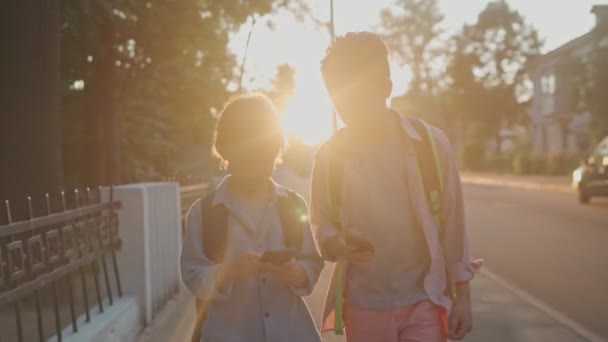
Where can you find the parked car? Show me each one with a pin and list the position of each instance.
(591, 178)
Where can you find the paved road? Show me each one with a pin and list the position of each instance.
(546, 244)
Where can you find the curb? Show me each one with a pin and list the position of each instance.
(518, 184)
(554, 314)
(175, 322)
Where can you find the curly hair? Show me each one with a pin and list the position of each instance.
(249, 123)
(355, 57)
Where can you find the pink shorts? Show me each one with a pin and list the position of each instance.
(420, 322)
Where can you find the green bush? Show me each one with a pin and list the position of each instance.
(472, 157)
(559, 164)
(499, 163)
(522, 163)
(537, 164)
(522, 159)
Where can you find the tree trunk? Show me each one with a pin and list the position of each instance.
(30, 133)
(104, 104)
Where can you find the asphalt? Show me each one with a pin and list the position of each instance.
(546, 244)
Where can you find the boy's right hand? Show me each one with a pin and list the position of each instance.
(242, 266)
(338, 247)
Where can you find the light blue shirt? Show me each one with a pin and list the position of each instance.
(259, 308)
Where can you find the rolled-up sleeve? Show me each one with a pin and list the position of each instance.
(460, 265)
(198, 272)
(320, 211)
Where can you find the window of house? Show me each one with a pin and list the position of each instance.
(547, 84)
(543, 85)
(547, 89)
(551, 84)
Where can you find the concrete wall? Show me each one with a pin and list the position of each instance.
(150, 227)
(148, 262)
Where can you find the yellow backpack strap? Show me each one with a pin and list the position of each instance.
(335, 174)
(435, 195)
(430, 173)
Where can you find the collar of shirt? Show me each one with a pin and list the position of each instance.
(223, 196)
(406, 126)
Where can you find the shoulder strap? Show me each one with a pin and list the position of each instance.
(429, 166)
(214, 228)
(335, 175)
(427, 156)
(292, 212)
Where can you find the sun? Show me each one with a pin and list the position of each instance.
(308, 114)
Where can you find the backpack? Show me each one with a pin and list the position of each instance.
(214, 229)
(429, 174)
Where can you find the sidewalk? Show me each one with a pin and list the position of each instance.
(546, 183)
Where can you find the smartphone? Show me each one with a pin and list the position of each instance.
(359, 244)
(279, 257)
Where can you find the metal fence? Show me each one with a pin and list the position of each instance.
(48, 264)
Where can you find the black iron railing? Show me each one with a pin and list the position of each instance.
(47, 265)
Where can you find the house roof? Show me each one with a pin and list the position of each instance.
(568, 47)
(601, 11)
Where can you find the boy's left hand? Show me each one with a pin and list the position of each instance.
(460, 322)
(291, 272)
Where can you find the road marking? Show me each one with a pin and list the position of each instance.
(545, 308)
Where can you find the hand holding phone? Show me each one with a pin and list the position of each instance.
(358, 243)
(278, 257)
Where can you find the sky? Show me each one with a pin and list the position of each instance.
(302, 45)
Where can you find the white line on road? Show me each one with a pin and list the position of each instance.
(545, 308)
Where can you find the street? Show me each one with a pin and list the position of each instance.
(546, 244)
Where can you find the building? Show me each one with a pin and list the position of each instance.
(558, 122)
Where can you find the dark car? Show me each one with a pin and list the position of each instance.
(591, 178)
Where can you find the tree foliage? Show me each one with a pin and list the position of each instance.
(487, 69)
(156, 71)
(412, 31)
(282, 86)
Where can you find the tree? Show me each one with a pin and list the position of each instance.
(298, 8)
(412, 30)
(495, 51)
(30, 133)
(283, 86)
(151, 75)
